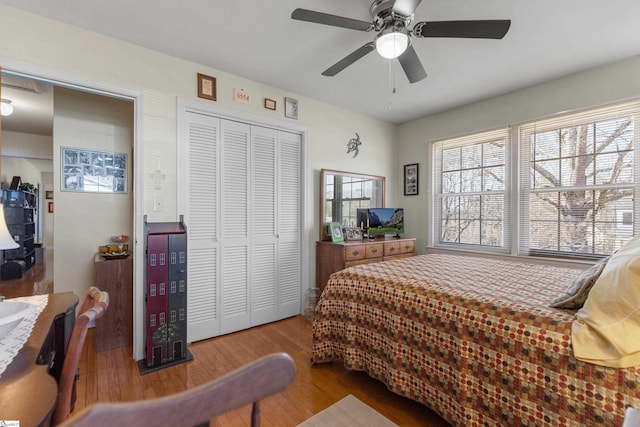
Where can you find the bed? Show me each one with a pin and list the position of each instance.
(472, 338)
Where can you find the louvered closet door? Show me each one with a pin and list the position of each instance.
(264, 260)
(235, 304)
(289, 202)
(202, 216)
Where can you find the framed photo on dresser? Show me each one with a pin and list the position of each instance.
(335, 229)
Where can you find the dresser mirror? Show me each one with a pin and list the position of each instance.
(342, 193)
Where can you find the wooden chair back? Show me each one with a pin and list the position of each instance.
(196, 406)
(94, 305)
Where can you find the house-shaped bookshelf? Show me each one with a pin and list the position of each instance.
(165, 295)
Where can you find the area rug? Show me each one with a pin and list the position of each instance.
(348, 412)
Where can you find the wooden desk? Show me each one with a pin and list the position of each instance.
(27, 391)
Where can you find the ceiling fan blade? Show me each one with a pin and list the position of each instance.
(348, 60)
(405, 7)
(488, 29)
(325, 18)
(412, 66)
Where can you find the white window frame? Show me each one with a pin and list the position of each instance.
(437, 195)
(514, 194)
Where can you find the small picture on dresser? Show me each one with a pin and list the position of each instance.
(352, 233)
(335, 229)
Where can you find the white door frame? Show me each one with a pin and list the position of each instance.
(86, 84)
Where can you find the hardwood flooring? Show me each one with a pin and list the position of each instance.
(113, 375)
(37, 280)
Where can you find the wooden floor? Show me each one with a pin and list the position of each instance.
(37, 280)
(113, 375)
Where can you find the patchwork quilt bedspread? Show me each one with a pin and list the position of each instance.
(472, 338)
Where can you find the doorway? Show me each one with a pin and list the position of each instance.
(47, 116)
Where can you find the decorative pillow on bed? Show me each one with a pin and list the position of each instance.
(607, 326)
(576, 294)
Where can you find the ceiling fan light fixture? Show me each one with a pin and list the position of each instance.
(6, 109)
(391, 43)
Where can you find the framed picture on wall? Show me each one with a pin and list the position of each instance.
(411, 180)
(207, 87)
(93, 171)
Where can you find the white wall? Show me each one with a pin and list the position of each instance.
(84, 220)
(15, 166)
(606, 84)
(26, 145)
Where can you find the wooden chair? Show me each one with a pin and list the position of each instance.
(94, 305)
(196, 406)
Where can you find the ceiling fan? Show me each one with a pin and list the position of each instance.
(391, 19)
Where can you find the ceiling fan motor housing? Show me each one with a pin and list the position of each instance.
(383, 15)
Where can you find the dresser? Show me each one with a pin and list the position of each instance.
(332, 257)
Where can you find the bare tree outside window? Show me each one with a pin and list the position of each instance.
(581, 187)
(574, 193)
(472, 189)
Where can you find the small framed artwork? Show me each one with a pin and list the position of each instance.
(335, 229)
(48, 195)
(269, 104)
(50, 207)
(411, 180)
(291, 108)
(207, 87)
(352, 233)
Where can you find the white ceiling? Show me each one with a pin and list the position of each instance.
(258, 40)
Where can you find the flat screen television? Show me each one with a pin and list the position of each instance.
(379, 221)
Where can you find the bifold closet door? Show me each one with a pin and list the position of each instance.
(264, 248)
(276, 210)
(244, 201)
(202, 196)
(236, 203)
(289, 217)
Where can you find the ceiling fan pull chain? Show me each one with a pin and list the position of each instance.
(392, 82)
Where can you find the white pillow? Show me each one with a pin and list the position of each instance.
(607, 327)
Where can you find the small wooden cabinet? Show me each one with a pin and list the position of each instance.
(115, 328)
(332, 257)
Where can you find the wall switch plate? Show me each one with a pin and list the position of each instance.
(158, 204)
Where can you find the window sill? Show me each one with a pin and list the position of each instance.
(557, 262)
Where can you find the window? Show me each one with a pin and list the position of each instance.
(471, 190)
(578, 182)
(575, 195)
